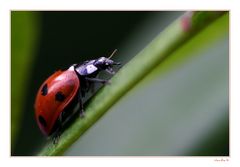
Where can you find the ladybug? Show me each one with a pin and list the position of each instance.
(63, 91)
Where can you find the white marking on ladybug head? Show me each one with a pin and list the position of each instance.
(91, 68)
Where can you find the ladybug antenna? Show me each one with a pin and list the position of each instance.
(112, 54)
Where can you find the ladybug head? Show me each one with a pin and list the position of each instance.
(104, 63)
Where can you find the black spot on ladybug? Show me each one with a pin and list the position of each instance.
(44, 90)
(42, 121)
(59, 96)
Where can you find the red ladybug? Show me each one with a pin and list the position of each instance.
(63, 90)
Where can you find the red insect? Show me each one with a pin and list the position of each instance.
(63, 90)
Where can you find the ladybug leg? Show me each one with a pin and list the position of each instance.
(56, 137)
(57, 134)
(97, 80)
(82, 94)
(92, 88)
(110, 71)
(81, 111)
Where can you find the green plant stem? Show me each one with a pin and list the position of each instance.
(162, 46)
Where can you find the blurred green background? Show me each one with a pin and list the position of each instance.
(179, 108)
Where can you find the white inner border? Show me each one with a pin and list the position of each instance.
(170, 5)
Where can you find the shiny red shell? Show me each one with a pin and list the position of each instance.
(48, 106)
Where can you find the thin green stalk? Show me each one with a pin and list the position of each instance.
(22, 56)
(162, 46)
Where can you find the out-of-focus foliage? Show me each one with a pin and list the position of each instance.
(24, 36)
